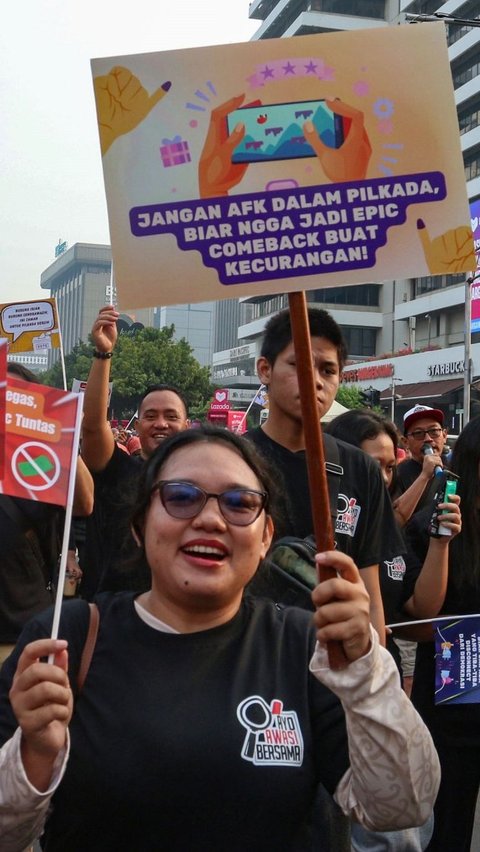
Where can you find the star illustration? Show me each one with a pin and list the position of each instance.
(289, 68)
(311, 67)
(267, 72)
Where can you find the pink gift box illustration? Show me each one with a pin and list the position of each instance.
(174, 152)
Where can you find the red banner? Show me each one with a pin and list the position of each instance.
(40, 441)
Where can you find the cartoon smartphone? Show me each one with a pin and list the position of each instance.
(275, 131)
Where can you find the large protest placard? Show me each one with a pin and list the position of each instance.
(30, 326)
(3, 387)
(41, 441)
(282, 165)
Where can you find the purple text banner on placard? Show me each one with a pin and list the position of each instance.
(267, 235)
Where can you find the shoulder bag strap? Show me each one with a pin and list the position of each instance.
(334, 473)
(89, 647)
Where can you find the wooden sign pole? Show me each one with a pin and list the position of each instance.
(317, 477)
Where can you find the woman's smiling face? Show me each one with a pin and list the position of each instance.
(204, 562)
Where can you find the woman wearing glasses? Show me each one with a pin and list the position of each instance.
(200, 725)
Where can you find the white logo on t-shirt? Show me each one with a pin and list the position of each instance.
(396, 568)
(348, 513)
(273, 735)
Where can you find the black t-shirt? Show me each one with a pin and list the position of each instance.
(204, 741)
(110, 548)
(365, 528)
(30, 549)
(457, 724)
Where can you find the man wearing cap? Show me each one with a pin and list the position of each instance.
(426, 437)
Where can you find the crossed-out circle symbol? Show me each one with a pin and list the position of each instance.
(49, 478)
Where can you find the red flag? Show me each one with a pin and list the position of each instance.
(41, 442)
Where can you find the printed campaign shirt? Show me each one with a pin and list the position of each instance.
(348, 514)
(273, 735)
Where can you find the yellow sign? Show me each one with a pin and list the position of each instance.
(30, 326)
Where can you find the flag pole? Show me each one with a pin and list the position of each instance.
(68, 522)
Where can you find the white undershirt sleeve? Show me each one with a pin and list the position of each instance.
(394, 769)
(23, 809)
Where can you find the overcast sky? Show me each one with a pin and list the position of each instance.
(52, 183)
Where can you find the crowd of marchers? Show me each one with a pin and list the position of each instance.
(216, 709)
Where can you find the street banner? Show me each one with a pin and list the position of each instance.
(30, 326)
(475, 289)
(3, 387)
(282, 165)
(41, 441)
(79, 386)
(457, 661)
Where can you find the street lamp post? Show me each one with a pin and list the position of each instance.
(394, 396)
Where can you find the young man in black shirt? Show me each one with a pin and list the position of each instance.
(365, 527)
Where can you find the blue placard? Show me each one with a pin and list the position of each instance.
(457, 661)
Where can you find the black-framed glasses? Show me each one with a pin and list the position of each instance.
(421, 434)
(183, 500)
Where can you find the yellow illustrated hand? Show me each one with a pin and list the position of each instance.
(350, 161)
(216, 172)
(122, 103)
(451, 252)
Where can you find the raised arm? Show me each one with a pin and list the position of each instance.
(431, 585)
(83, 494)
(405, 504)
(97, 439)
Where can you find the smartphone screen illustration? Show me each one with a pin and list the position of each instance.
(275, 131)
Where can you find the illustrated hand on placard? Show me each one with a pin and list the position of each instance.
(350, 161)
(216, 172)
(122, 103)
(447, 254)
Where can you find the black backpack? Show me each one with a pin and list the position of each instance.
(288, 574)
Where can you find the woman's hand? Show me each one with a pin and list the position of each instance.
(41, 699)
(342, 606)
(452, 519)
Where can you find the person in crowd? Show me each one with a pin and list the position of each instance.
(455, 727)
(365, 527)
(377, 437)
(415, 484)
(207, 718)
(31, 535)
(162, 411)
(134, 446)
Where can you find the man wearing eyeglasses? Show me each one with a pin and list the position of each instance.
(426, 438)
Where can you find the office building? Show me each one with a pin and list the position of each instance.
(396, 316)
(194, 322)
(80, 280)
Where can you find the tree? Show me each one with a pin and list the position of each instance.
(349, 396)
(149, 357)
